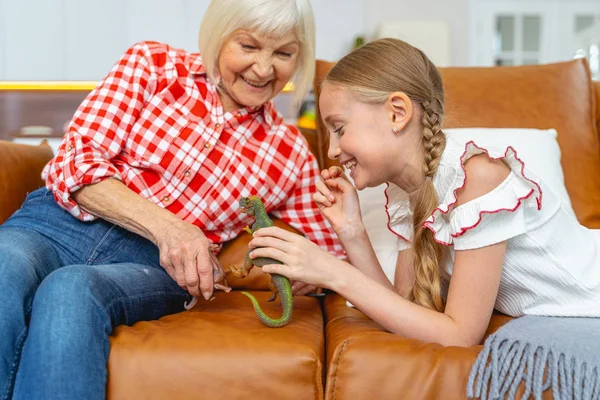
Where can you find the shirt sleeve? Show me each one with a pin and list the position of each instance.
(492, 218)
(301, 212)
(99, 129)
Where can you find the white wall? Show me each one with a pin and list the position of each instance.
(81, 39)
(2, 37)
(454, 12)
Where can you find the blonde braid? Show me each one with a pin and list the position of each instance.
(427, 252)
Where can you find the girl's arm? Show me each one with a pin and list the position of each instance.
(362, 256)
(338, 201)
(471, 299)
(473, 288)
(404, 275)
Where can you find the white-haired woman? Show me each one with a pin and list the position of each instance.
(144, 187)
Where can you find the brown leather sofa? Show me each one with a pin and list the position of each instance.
(219, 350)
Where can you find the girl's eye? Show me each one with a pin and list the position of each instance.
(339, 131)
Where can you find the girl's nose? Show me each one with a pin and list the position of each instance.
(334, 150)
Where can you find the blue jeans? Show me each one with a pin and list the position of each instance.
(64, 286)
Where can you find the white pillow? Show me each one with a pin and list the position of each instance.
(537, 148)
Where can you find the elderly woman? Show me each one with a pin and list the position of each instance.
(145, 185)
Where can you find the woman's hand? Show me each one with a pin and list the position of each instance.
(338, 201)
(186, 255)
(185, 252)
(302, 260)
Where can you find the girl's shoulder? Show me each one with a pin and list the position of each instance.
(495, 210)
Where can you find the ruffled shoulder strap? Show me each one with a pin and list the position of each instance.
(448, 222)
(398, 212)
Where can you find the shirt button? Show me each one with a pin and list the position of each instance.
(218, 125)
(206, 145)
(166, 199)
(239, 115)
(69, 148)
(187, 173)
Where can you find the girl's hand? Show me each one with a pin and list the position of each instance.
(302, 260)
(302, 288)
(338, 201)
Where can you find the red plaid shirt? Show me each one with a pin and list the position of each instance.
(157, 124)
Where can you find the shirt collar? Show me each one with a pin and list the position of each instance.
(196, 67)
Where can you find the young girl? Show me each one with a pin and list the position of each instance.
(474, 216)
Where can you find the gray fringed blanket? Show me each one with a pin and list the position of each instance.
(567, 350)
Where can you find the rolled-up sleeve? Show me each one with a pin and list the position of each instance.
(100, 127)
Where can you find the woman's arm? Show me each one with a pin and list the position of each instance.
(184, 249)
(100, 128)
(112, 201)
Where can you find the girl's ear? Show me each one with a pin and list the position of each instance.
(400, 109)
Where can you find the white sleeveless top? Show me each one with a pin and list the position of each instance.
(552, 263)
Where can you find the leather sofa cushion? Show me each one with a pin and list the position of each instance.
(219, 350)
(366, 362)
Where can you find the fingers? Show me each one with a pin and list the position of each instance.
(306, 290)
(332, 172)
(277, 233)
(268, 242)
(280, 269)
(269, 252)
(175, 273)
(301, 288)
(204, 265)
(191, 275)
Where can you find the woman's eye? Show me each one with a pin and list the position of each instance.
(248, 47)
(284, 54)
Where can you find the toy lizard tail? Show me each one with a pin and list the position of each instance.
(285, 292)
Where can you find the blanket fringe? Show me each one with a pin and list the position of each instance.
(502, 365)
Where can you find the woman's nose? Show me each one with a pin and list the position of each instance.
(263, 67)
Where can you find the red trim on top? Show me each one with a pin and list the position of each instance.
(387, 201)
(429, 226)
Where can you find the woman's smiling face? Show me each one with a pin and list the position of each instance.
(254, 68)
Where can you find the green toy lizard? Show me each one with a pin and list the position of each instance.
(279, 284)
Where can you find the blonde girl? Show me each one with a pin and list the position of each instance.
(470, 219)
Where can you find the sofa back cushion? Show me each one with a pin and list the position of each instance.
(559, 96)
(597, 92)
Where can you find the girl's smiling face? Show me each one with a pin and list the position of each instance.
(254, 68)
(362, 139)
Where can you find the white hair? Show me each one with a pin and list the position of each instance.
(265, 17)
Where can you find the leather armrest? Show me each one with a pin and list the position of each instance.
(20, 173)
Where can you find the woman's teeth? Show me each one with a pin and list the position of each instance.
(255, 84)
